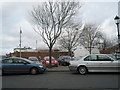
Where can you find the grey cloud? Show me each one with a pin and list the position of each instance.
(97, 12)
(15, 15)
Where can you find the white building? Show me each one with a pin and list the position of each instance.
(81, 51)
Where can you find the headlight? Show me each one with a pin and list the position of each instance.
(41, 66)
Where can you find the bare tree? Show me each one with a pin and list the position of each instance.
(50, 18)
(90, 37)
(109, 43)
(69, 40)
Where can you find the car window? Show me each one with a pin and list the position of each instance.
(112, 56)
(117, 56)
(68, 58)
(60, 57)
(103, 58)
(91, 58)
(19, 61)
(9, 61)
(33, 58)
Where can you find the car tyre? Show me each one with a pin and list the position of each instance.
(34, 71)
(82, 70)
(60, 63)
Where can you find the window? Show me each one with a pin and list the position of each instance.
(91, 58)
(19, 61)
(103, 58)
(9, 61)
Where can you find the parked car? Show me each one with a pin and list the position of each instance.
(46, 61)
(115, 56)
(64, 60)
(34, 60)
(1, 57)
(95, 63)
(21, 65)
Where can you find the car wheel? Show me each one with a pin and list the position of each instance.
(82, 70)
(33, 71)
(59, 63)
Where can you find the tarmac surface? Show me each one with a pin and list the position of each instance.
(58, 69)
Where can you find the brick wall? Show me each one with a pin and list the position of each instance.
(38, 54)
(111, 50)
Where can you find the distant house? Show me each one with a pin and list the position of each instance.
(81, 51)
(40, 53)
(25, 49)
(110, 50)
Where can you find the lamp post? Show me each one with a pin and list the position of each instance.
(117, 21)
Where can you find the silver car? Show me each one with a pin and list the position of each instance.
(95, 63)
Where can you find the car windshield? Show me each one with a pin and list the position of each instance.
(117, 56)
(27, 60)
(68, 58)
(33, 58)
(111, 55)
(47, 58)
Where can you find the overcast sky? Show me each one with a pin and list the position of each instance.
(14, 15)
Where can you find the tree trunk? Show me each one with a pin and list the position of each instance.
(90, 51)
(50, 57)
(70, 52)
(90, 48)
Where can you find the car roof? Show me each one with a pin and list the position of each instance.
(15, 58)
(48, 57)
(18, 58)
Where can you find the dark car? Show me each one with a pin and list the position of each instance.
(21, 65)
(64, 60)
(115, 56)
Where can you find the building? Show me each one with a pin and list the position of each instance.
(110, 50)
(81, 51)
(40, 53)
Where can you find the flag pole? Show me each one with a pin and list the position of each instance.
(20, 40)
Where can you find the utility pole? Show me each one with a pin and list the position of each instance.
(20, 40)
(36, 44)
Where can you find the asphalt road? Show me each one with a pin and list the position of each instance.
(63, 80)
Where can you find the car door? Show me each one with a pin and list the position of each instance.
(7, 65)
(20, 65)
(92, 63)
(108, 64)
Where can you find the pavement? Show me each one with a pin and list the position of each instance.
(58, 69)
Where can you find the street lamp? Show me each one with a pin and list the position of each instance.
(117, 21)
